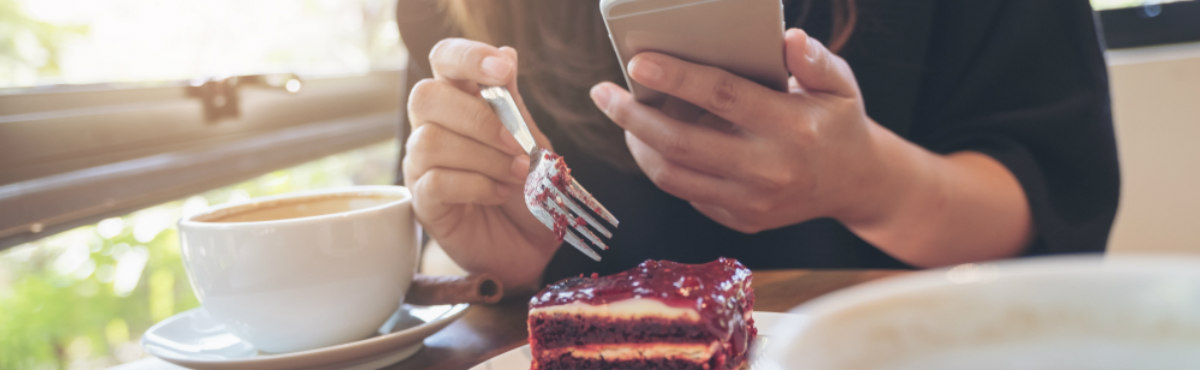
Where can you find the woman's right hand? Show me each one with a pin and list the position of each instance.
(467, 172)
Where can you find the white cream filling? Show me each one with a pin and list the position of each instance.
(695, 352)
(632, 308)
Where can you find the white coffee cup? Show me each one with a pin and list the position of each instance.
(1049, 313)
(303, 270)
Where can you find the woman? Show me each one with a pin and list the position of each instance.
(928, 133)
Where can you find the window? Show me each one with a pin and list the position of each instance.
(116, 105)
(1134, 23)
(139, 41)
(115, 114)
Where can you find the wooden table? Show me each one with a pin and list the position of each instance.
(487, 331)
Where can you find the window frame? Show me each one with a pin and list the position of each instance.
(1171, 23)
(72, 155)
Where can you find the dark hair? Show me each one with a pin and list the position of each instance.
(564, 50)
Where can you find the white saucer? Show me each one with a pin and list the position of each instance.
(767, 323)
(194, 339)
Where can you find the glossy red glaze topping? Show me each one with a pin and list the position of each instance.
(719, 291)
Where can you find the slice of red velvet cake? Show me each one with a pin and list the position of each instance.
(659, 315)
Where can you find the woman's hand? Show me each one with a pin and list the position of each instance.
(467, 172)
(755, 159)
(758, 159)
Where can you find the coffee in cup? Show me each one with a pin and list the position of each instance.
(304, 270)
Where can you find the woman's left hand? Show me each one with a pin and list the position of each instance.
(757, 159)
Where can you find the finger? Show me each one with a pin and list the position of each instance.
(725, 217)
(679, 180)
(432, 146)
(815, 68)
(724, 94)
(450, 186)
(698, 147)
(541, 140)
(471, 61)
(681, 110)
(511, 54)
(433, 101)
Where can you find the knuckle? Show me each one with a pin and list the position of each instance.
(724, 96)
(843, 105)
(480, 117)
(806, 131)
(469, 56)
(423, 141)
(408, 166)
(438, 48)
(421, 188)
(420, 96)
(672, 80)
(675, 146)
(764, 176)
(838, 63)
(667, 178)
(434, 182)
(759, 207)
(443, 48)
(664, 176)
(750, 224)
(458, 56)
(620, 111)
(773, 179)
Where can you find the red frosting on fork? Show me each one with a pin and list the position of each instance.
(542, 195)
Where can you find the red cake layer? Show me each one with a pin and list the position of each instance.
(698, 316)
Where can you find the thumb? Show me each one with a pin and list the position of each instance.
(815, 68)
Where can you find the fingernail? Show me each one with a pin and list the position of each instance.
(520, 167)
(601, 96)
(812, 49)
(645, 69)
(496, 68)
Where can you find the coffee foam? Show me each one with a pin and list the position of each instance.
(298, 207)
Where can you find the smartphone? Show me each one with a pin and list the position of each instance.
(744, 37)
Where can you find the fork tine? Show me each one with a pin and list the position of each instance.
(582, 194)
(581, 246)
(544, 216)
(571, 222)
(578, 212)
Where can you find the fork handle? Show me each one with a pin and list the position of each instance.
(510, 115)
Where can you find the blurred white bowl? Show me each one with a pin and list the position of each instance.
(1047, 313)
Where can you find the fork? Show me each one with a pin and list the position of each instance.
(551, 193)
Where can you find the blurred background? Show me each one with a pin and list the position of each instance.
(119, 116)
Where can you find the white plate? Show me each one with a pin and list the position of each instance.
(194, 339)
(765, 322)
(1063, 312)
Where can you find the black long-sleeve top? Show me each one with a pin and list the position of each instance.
(1023, 81)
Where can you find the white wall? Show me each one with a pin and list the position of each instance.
(1156, 108)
